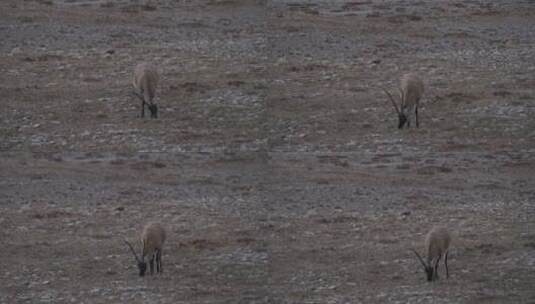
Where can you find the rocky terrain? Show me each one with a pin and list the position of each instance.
(276, 164)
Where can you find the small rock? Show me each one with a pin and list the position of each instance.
(396, 277)
(111, 272)
(15, 51)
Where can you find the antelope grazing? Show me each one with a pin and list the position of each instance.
(437, 243)
(411, 91)
(152, 239)
(145, 83)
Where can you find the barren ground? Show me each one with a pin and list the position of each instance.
(276, 164)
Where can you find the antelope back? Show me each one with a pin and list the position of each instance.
(153, 238)
(146, 79)
(437, 243)
(412, 88)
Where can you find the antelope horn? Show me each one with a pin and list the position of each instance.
(393, 102)
(420, 258)
(133, 251)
